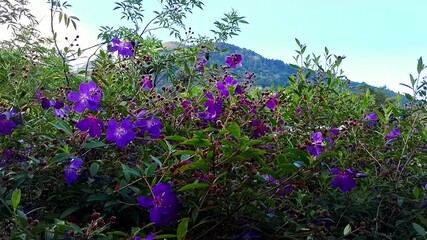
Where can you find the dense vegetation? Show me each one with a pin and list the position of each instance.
(164, 143)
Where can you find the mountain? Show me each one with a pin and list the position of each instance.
(268, 71)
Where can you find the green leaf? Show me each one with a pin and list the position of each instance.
(102, 197)
(155, 159)
(181, 231)
(197, 165)
(176, 138)
(249, 153)
(63, 126)
(198, 142)
(234, 129)
(422, 219)
(166, 236)
(120, 233)
(409, 97)
(94, 168)
(366, 100)
(184, 152)
(420, 230)
(70, 210)
(22, 217)
(420, 65)
(347, 230)
(186, 69)
(74, 24)
(151, 169)
(192, 186)
(94, 144)
(16, 198)
(297, 155)
(129, 172)
(412, 80)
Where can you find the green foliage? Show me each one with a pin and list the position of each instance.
(241, 169)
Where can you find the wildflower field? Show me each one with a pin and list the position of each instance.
(148, 142)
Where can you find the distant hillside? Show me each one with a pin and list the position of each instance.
(268, 71)
(274, 72)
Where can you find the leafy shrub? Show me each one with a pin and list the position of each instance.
(153, 142)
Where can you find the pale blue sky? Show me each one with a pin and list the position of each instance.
(381, 39)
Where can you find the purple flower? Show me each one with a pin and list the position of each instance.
(95, 90)
(9, 156)
(146, 82)
(121, 134)
(361, 175)
(60, 109)
(213, 108)
(393, 134)
(6, 125)
(123, 48)
(272, 102)
(62, 112)
(88, 97)
(230, 81)
(200, 65)
(270, 212)
(317, 138)
(250, 75)
(72, 171)
(151, 125)
(148, 237)
(239, 89)
(94, 125)
(372, 117)
(270, 179)
(223, 88)
(335, 131)
(315, 150)
(260, 129)
(343, 179)
(318, 144)
(234, 61)
(46, 104)
(331, 142)
(164, 205)
(186, 104)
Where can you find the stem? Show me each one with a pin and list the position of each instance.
(88, 59)
(64, 63)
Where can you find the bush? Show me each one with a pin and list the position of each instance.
(153, 142)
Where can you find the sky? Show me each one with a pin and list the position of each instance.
(381, 39)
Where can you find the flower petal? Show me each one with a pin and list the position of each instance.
(126, 139)
(74, 96)
(161, 188)
(84, 88)
(116, 41)
(335, 171)
(79, 107)
(146, 202)
(84, 124)
(112, 129)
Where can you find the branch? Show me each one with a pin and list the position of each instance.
(56, 43)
